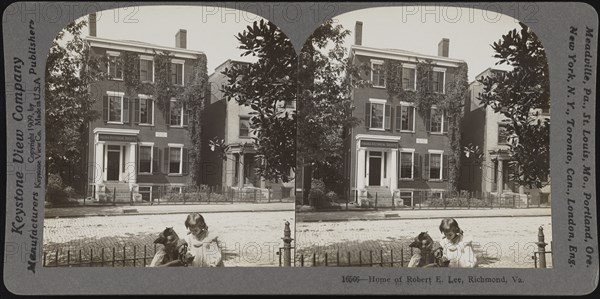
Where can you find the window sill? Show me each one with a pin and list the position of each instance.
(116, 79)
(376, 129)
(146, 125)
(176, 127)
(435, 180)
(437, 133)
(175, 174)
(115, 122)
(405, 131)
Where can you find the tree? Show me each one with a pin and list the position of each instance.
(518, 95)
(266, 86)
(69, 71)
(326, 77)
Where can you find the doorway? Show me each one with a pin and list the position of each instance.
(374, 168)
(113, 156)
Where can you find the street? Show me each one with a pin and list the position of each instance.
(499, 242)
(247, 238)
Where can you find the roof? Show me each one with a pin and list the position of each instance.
(138, 46)
(404, 55)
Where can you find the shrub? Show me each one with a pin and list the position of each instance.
(55, 192)
(332, 196)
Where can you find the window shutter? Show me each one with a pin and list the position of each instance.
(166, 160)
(446, 123)
(388, 117)
(186, 115)
(428, 120)
(126, 110)
(425, 171)
(105, 108)
(185, 160)
(155, 160)
(416, 166)
(367, 115)
(445, 167)
(398, 118)
(136, 111)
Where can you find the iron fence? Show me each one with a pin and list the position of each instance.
(126, 256)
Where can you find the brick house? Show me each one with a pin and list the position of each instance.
(487, 129)
(398, 152)
(138, 147)
(230, 122)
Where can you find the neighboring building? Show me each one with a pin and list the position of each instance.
(230, 122)
(137, 146)
(398, 152)
(487, 129)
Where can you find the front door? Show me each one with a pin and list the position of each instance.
(112, 165)
(375, 169)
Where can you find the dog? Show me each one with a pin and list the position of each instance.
(174, 252)
(428, 257)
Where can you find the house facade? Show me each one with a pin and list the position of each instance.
(229, 122)
(139, 148)
(486, 129)
(399, 152)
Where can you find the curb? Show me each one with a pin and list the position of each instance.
(409, 218)
(157, 213)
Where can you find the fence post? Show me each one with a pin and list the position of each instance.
(541, 248)
(114, 195)
(131, 197)
(375, 201)
(287, 245)
(528, 200)
(393, 203)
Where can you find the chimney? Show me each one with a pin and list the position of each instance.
(181, 39)
(358, 33)
(443, 47)
(92, 24)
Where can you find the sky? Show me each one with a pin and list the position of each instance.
(471, 31)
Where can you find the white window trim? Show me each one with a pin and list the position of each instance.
(441, 153)
(431, 121)
(182, 62)
(378, 62)
(114, 54)
(240, 123)
(412, 66)
(441, 70)
(412, 164)
(117, 95)
(180, 125)
(180, 146)
(380, 102)
(151, 145)
(408, 104)
(145, 97)
(147, 58)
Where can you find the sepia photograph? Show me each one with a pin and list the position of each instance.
(423, 142)
(162, 149)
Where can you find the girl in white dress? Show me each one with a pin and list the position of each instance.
(456, 247)
(201, 244)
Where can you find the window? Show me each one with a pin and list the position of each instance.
(115, 66)
(244, 127)
(146, 192)
(437, 120)
(115, 108)
(175, 189)
(435, 166)
(406, 165)
(502, 133)
(377, 74)
(178, 114)
(435, 195)
(409, 78)
(175, 160)
(437, 85)
(177, 73)
(146, 70)
(145, 159)
(146, 111)
(407, 118)
(377, 115)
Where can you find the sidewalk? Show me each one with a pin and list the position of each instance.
(127, 210)
(418, 214)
